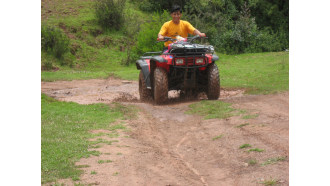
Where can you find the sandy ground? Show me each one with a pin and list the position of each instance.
(165, 146)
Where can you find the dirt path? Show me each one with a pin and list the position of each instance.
(165, 146)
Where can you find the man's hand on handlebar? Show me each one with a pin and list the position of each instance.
(160, 38)
(197, 32)
(202, 35)
(164, 38)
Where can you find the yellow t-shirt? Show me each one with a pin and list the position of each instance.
(170, 29)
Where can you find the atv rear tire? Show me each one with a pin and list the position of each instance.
(213, 82)
(145, 94)
(160, 86)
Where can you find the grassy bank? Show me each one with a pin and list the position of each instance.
(128, 73)
(260, 73)
(94, 52)
(65, 132)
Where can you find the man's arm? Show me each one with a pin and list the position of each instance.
(160, 37)
(197, 32)
(162, 32)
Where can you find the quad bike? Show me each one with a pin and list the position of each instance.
(185, 66)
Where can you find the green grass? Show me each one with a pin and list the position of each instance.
(242, 125)
(82, 166)
(79, 184)
(245, 146)
(252, 162)
(212, 109)
(128, 113)
(93, 144)
(118, 126)
(117, 71)
(93, 172)
(250, 116)
(112, 135)
(256, 150)
(259, 73)
(104, 161)
(217, 137)
(271, 182)
(115, 174)
(64, 134)
(95, 147)
(273, 160)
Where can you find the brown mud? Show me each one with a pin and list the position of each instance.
(165, 146)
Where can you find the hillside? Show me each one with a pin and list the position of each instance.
(93, 51)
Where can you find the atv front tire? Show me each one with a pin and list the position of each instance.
(145, 93)
(160, 85)
(213, 82)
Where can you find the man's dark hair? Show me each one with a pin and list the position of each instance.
(176, 8)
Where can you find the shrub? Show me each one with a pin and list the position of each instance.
(54, 41)
(239, 38)
(109, 13)
(145, 5)
(48, 65)
(47, 62)
(146, 38)
(243, 36)
(159, 5)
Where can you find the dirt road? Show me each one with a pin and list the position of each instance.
(165, 146)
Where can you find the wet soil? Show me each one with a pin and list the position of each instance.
(165, 146)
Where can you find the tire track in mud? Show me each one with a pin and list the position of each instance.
(168, 150)
(180, 157)
(188, 164)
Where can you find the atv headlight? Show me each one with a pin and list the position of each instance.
(199, 61)
(179, 61)
(211, 49)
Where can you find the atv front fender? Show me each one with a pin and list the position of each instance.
(159, 59)
(215, 58)
(141, 64)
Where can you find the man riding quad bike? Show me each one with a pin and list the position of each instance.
(184, 66)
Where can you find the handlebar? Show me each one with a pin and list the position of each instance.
(189, 39)
(166, 39)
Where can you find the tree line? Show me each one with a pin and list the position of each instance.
(235, 26)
